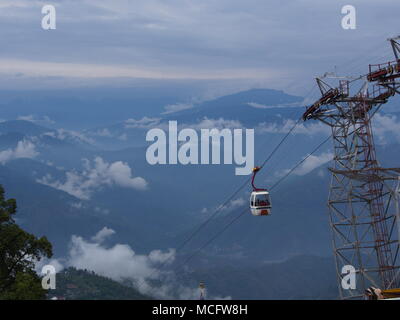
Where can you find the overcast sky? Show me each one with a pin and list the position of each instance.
(272, 43)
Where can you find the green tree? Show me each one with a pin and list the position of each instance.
(18, 252)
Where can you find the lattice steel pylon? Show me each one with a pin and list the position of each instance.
(364, 197)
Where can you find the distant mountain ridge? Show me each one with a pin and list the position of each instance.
(23, 127)
(249, 107)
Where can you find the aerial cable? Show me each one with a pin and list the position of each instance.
(246, 182)
(212, 239)
(300, 163)
(205, 223)
(242, 213)
(241, 187)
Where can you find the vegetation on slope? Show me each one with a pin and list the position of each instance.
(73, 284)
(18, 251)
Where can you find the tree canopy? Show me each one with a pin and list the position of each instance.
(19, 250)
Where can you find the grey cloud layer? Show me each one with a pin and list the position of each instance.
(277, 40)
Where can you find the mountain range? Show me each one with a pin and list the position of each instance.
(94, 174)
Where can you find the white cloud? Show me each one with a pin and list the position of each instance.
(384, 125)
(205, 123)
(35, 119)
(103, 133)
(263, 106)
(143, 123)
(118, 262)
(310, 128)
(171, 108)
(234, 204)
(311, 163)
(106, 133)
(121, 174)
(121, 263)
(56, 263)
(24, 149)
(69, 135)
(94, 176)
(32, 68)
(229, 207)
(258, 105)
(219, 124)
(102, 235)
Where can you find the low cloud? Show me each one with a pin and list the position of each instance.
(227, 208)
(384, 126)
(95, 176)
(312, 128)
(263, 106)
(144, 123)
(103, 133)
(102, 235)
(258, 105)
(24, 149)
(205, 123)
(121, 263)
(171, 108)
(234, 204)
(311, 163)
(118, 262)
(219, 124)
(69, 135)
(35, 119)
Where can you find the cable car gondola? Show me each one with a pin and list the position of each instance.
(260, 200)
